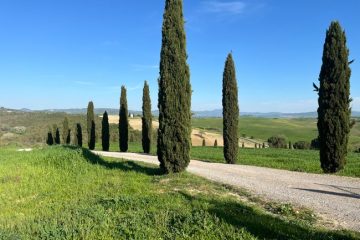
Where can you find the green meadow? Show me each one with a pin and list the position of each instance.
(70, 193)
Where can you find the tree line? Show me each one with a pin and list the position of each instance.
(174, 103)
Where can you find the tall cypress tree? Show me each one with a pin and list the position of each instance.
(123, 122)
(146, 119)
(57, 136)
(92, 136)
(90, 119)
(78, 135)
(49, 139)
(65, 131)
(230, 112)
(174, 93)
(334, 100)
(105, 136)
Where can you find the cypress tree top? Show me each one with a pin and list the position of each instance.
(174, 92)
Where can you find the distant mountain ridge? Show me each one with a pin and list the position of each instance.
(217, 113)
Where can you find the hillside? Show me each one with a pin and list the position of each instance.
(68, 193)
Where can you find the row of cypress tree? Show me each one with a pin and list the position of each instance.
(174, 101)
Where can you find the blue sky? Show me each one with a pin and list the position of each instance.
(61, 54)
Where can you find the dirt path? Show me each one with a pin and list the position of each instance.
(335, 198)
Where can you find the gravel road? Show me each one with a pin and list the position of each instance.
(335, 198)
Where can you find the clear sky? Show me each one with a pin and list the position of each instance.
(63, 53)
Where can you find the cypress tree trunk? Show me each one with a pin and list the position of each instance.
(230, 112)
(78, 135)
(146, 119)
(123, 122)
(334, 101)
(57, 136)
(105, 136)
(92, 136)
(65, 131)
(90, 120)
(174, 93)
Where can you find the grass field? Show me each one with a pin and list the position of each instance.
(68, 193)
(293, 160)
(302, 129)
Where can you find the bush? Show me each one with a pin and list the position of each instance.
(302, 145)
(315, 144)
(277, 142)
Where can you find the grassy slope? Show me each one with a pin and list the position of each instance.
(302, 129)
(64, 193)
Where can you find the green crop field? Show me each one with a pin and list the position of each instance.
(301, 129)
(69, 193)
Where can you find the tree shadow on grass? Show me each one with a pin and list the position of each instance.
(265, 226)
(121, 165)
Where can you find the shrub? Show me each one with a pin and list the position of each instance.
(302, 145)
(277, 142)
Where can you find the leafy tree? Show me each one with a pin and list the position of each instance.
(65, 132)
(215, 143)
(123, 122)
(78, 135)
(92, 136)
(334, 101)
(57, 136)
(90, 124)
(146, 120)
(105, 136)
(230, 111)
(277, 142)
(174, 105)
(49, 139)
(315, 144)
(302, 145)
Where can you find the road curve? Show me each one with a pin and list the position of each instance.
(335, 198)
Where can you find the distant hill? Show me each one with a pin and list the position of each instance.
(217, 113)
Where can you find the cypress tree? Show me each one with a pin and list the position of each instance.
(90, 120)
(230, 112)
(123, 122)
(215, 143)
(65, 131)
(49, 139)
(68, 139)
(204, 142)
(334, 101)
(78, 135)
(290, 145)
(92, 136)
(146, 120)
(174, 105)
(57, 136)
(243, 145)
(105, 132)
